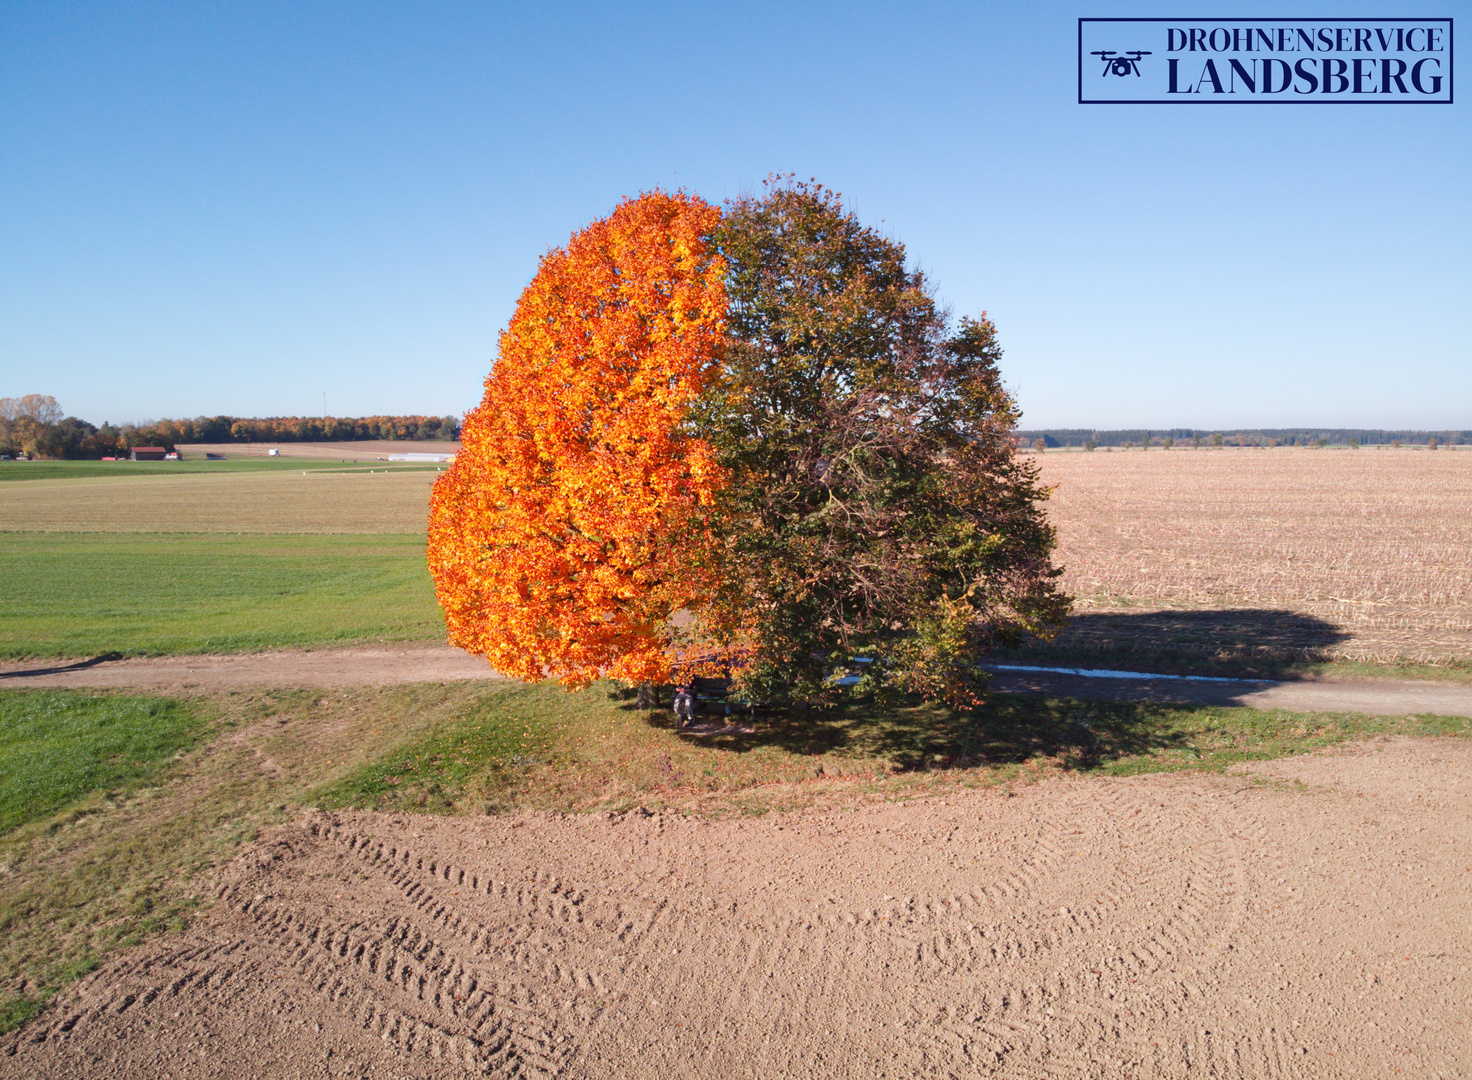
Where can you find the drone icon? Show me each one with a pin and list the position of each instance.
(1121, 65)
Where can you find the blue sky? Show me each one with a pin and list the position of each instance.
(213, 208)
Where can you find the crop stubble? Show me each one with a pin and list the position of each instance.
(314, 501)
(1377, 543)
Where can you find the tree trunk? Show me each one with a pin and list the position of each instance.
(648, 696)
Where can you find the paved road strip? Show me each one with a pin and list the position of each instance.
(1106, 673)
(1375, 697)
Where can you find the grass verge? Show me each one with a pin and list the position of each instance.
(67, 756)
(534, 748)
(135, 855)
(83, 594)
(56, 746)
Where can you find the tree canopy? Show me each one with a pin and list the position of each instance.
(568, 530)
(875, 506)
(756, 425)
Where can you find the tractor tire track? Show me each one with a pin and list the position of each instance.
(1172, 926)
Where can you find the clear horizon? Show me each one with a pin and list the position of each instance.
(234, 211)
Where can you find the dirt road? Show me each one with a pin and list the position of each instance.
(364, 665)
(382, 665)
(1313, 925)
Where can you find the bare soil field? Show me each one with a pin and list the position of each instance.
(367, 450)
(1302, 918)
(1349, 554)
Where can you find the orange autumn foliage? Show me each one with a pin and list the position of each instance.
(571, 525)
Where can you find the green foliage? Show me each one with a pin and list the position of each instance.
(140, 594)
(286, 429)
(57, 746)
(876, 505)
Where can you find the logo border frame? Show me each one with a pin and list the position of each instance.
(1450, 67)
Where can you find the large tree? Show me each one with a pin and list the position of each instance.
(758, 428)
(875, 506)
(569, 529)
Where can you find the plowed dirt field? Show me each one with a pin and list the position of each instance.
(1309, 918)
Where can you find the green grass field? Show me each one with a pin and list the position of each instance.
(201, 557)
(141, 594)
(56, 747)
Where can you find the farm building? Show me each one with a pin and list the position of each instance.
(147, 453)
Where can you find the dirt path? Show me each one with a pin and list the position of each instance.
(383, 665)
(364, 665)
(1316, 925)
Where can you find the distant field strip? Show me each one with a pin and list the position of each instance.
(1363, 555)
(133, 593)
(1377, 542)
(31, 471)
(279, 501)
(363, 450)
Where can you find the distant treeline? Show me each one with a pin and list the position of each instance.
(218, 429)
(1088, 438)
(35, 425)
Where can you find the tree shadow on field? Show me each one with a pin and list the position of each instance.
(61, 669)
(1075, 722)
(919, 736)
(1254, 643)
(1013, 729)
(797, 730)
